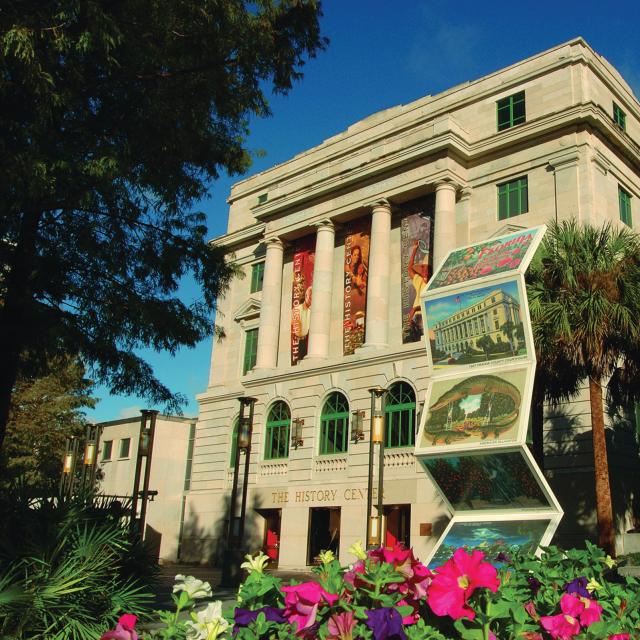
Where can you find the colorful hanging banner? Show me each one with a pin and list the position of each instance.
(416, 263)
(356, 273)
(301, 297)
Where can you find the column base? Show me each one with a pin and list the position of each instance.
(372, 346)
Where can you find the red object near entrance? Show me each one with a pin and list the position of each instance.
(271, 542)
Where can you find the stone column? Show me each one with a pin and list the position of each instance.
(322, 292)
(445, 223)
(377, 318)
(269, 329)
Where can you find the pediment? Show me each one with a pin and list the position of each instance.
(250, 309)
(505, 229)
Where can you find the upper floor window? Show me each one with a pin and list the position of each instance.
(513, 198)
(277, 432)
(257, 277)
(125, 446)
(400, 412)
(511, 111)
(250, 350)
(624, 202)
(619, 117)
(107, 448)
(334, 424)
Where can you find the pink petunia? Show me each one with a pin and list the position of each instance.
(125, 629)
(341, 626)
(591, 613)
(301, 603)
(456, 580)
(565, 625)
(620, 636)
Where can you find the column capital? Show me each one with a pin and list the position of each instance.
(446, 184)
(274, 242)
(326, 224)
(379, 203)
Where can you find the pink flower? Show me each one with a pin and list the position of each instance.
(301, 603)
(125, 629)
(591, 613)
(566, 624)
(530, 608)
(456, 580)
(620, 636)
(341, 626)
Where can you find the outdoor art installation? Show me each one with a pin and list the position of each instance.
(472, 436)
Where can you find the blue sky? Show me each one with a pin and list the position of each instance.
(382, 54)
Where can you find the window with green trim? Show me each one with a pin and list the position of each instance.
(401, 416)
(624, 202)
(511, 111)
(334, 424)
(250, 350)
(257, 277)
(125, 447)
(619, 117)
(107, 448)
(234, 442)
(513, 198)
(277, 432)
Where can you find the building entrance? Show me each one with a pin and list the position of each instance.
(398, 525)
(271, 539)
(324, 532)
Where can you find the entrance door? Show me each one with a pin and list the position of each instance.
(271, 541)
(324, 532)
(398, 522)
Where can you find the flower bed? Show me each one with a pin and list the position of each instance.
(387, 594)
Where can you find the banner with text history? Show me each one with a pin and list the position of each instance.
(301, 297)
(416, 252)
(356, 274)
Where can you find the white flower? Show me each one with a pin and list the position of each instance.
(326, 557)
(357, 550)
(207, 624)
(195, 588)
(256, 564)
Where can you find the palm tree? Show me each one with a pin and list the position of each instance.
(584, 299)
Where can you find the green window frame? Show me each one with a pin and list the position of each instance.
(107, 450)
(250, 350)
(513, 198)
(125, 447)
(257, 277)
(277, 432)
(510, 111)
(234, 443)
(624, 202)
(400, 413)
(334, 425)
(619, 117)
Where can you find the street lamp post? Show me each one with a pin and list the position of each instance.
(90, 458)
(68, 475)
(145, 450)
(235, 527)
(375, 524)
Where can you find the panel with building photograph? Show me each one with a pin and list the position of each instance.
(508, 253)
(490, 480)
(491, 537)
(485, 408)
(478, 326)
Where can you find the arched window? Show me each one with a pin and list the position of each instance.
(277, 432)
(334, 424)
(401, 415)
(234, 442)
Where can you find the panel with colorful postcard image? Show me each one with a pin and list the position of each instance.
(488, 407)
(488, 481)
(493, 537)
(483, 325)
(508, 253)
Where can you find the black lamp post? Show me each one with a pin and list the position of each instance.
(90, 457)
(145, 450)
(235, 526)
(375, 524)
(68, 475)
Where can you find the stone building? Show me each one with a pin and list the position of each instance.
(551, 137)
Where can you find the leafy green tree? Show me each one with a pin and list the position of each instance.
(44, 412)
(115, 117)
(584, 298)
(509, 330)
(486, 344)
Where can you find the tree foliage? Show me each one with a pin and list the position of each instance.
(115, 117)
(44, 412)
(584, 299)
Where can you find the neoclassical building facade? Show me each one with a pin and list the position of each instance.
(335, 244)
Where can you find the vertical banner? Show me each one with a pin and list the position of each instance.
(416, 263)
(301, 295)
(356, 273)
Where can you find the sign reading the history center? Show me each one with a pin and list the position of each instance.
(301, 297)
